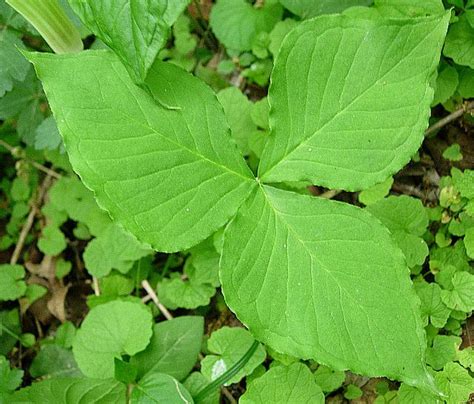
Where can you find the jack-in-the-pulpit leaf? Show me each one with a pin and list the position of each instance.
(319, 279)
(168, 170)
(350, 99)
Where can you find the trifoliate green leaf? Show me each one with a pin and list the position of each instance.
(312, 253)
(159, 388)
(185, 125)
(228, 345)
(54, 361)
(14, 65)
(279, 31)
(443, 351)
(116, 249)
(408, 8)
(237, 109)
(109, 331)
(236, 23)
(455, 382)
(459, 44)
(376, 193)
(329, 379)
(311, 8)
(461, 295)
(284, 384)
(12, 285)
(136, 31)
(322, 130)
(453, 153)
(446, 83)
(10, 380)
(433, 309)
(72, 391)
(52, 240)
(173, 349)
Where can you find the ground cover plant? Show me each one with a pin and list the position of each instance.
(266, 201)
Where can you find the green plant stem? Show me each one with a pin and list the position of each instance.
(226, 376)
(51, 22)
(10, 332)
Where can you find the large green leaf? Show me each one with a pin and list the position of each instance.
(135, 29)
(312, 8)
(308, 276)
(71, 391)
(350, 99)
(166, 170)
(109, 331)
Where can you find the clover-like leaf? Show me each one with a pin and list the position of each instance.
(297, 272)
(166, 170)
(12, 285)
(135, 30)
(284, 384)
(109, 331)
(337, 116)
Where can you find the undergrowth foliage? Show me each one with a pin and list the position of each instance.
(173, 165)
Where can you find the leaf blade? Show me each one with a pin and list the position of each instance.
(345, 126)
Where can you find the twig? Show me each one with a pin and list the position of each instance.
(155, 299)
(330, 194)
(95, 286)
(36, 165)
(466, 108)
(30, 219)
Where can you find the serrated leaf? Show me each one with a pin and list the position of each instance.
(12, 285)
(311, 8)
(466, 82)
(433, 309)
(115, 248)
(108, 331)
(376, 192)
(236, 23)
(407, 220)
(183, 150)
(344, 126)
(312, 254)
(52, 240)
(461, 295)
(412, 395)
(455, 382)
(279, 32)
(443, 351)
(135, 30)
(284, 384)
(14, 66)
(228, 345)
(72, 391)
(10, 380)
(173, 349)
(47, 135)
(459, 44)
(159, 388)
(446, 84)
